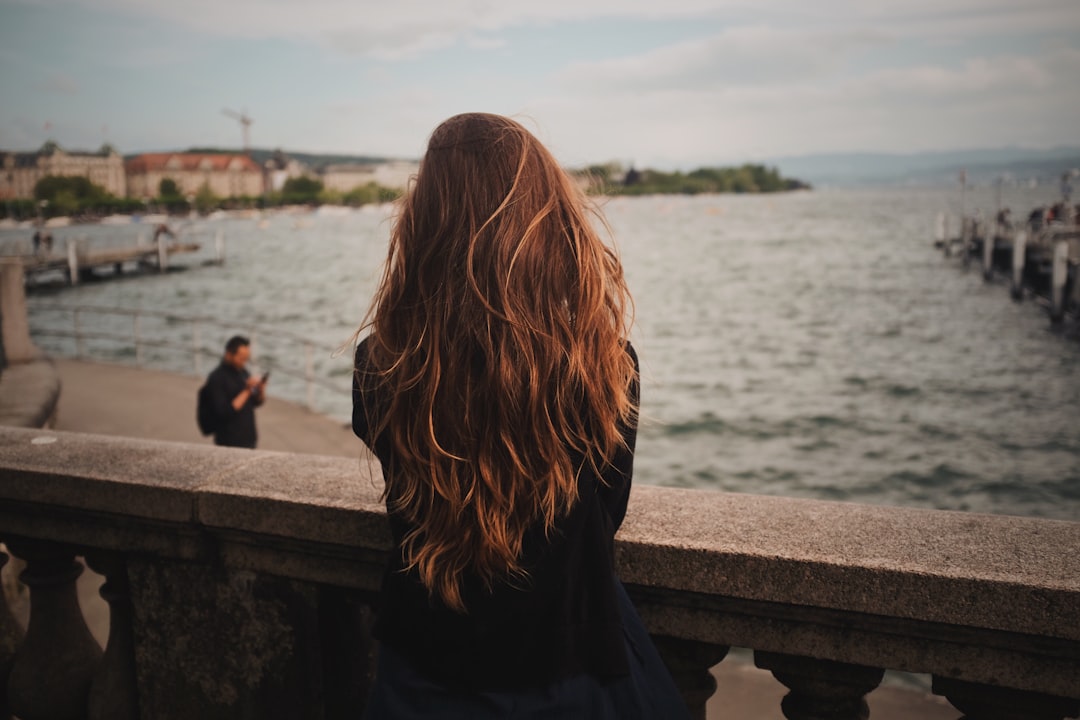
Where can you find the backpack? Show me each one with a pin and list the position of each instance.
(204, 412)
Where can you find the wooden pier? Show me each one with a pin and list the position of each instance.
(80, 260)
(1042, 260)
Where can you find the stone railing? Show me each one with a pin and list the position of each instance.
(240, 583)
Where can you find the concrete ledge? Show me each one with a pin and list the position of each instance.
(29, 393)
(302, 497)
(993, 571)
(285, 494)
(998, 572)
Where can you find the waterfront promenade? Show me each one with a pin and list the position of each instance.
(118, 400)
(123, 401)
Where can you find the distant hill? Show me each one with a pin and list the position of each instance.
(983, 167)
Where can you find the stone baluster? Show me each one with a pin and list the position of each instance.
(989, 702)
(113, 694)
(11, 635)
(689, 662)
(821, 689)
(52, 670)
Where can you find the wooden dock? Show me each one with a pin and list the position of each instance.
(1042, 260)
(80, 261)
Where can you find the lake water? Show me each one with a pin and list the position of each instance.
(809, 344)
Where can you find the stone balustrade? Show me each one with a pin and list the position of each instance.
(240, 585)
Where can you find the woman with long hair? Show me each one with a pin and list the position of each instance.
(499, 391)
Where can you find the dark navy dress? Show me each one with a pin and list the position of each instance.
(569, 644)
(647, 693)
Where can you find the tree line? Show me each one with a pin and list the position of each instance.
(748, 178)
(75, 196)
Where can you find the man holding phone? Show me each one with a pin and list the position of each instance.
(234, 395)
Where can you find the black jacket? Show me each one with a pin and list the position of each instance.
(236, 428)
(565, 622)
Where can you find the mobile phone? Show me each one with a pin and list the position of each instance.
(265, 377)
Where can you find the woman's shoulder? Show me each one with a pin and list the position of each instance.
(362, 355)
(364, 371)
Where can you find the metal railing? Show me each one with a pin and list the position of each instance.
(140, 340)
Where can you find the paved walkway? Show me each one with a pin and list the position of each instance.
(120, 400)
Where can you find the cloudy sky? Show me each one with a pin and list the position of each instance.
(665, 83)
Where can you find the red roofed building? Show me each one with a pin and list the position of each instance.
(226, 175)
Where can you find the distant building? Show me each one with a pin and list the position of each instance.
(20, 172)
(279, 167)
(345, 177)
(396, 173)
(226, 175)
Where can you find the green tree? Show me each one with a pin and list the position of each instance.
(168, 188)
(70, 194)
(301, 190)
(75, 186)
(64, 203)
(749, 178)
(371, 192)
(329, 197)
(205, 199)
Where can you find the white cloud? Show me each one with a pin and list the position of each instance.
(277, 18)
(588, 116)
(741, 56)
(481, 42)
(394, 30)
(60, 84)
(1004, 76)
(986, 101)
(753, 78)
(966, 18)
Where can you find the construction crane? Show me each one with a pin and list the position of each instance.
(245, 123)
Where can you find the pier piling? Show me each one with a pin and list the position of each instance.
(73, 262)
(1058, 277)
(948, 239)
(967, 229)
(1018, 256)
(989, 241)
(1076, 288)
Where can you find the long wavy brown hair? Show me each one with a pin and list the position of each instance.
(498, 339)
